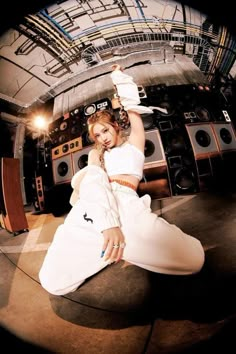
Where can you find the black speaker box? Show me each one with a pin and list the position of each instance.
(192, 102)
(58, 198)
(59, 131)
(179, 156)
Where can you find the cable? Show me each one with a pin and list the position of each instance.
(148, 337)
(18, 267)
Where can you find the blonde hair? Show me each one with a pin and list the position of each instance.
(102, 117)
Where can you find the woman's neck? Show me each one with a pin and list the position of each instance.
(121, 141)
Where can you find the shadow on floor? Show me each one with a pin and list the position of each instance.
(119, 297)
(12, 342)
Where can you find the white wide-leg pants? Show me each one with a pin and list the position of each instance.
(151, 242)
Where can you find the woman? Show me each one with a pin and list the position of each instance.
(109, 221)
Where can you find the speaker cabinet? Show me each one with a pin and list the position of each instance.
(225, 136)
(80, 159)
(59, 131)
(161, 96)
(150, 121)
(203, 140)
(99, 105)
(210, 172)
(62, 169)
(192, 102)
(226, 140)
(58, 199)
(69, 147)
(153, 151)
(155, 175)
(206, 152)
(13, 214)
(76, 124)
(39, 203)
(141, 92)
(199, 103)
(179, 156)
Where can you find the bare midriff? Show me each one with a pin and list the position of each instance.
(125, 180)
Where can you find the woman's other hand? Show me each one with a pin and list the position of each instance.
(113, 245)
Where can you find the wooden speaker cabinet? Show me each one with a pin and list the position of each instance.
(13, 214)
(40, 193)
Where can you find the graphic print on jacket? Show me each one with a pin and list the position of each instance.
(87, 219)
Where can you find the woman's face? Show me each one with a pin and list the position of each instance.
(105, 134)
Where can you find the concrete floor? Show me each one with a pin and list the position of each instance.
(192, 315)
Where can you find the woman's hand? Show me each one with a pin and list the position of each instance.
(116, 67)
(94, 158)
(113, 245)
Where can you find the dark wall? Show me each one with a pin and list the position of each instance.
(7, 136)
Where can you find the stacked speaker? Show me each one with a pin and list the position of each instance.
(177, 147)
(39, 194)
(196, 133)
(155, 180)
(214, 147)
(212, 136)
(71, 155)
(65, 134)
(189, 140)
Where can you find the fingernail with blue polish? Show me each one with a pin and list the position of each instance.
(102, 254)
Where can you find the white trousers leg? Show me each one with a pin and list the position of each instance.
(151, 242)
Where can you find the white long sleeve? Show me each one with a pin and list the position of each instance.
(128, 92)
(96, 199)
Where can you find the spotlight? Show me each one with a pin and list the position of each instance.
(40, 123)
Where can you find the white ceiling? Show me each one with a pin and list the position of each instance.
(46, 53)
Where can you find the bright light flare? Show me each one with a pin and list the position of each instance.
(40, 123)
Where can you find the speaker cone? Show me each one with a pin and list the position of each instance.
(63, 126)
(86, 140)
(168, 107)
(76, 130)
(149, 148)
(184, 179)
(65, 148)
(90, 109)
(203, 138)
(61, 139)
(225, 136)
(62, 169)
(147, 121)
(83, 161)
(202, 114)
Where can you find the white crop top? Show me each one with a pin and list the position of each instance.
(124, 160)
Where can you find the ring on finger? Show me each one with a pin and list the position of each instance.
(122, 245)
(116, 246)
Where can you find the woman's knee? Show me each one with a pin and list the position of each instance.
(198, 260)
